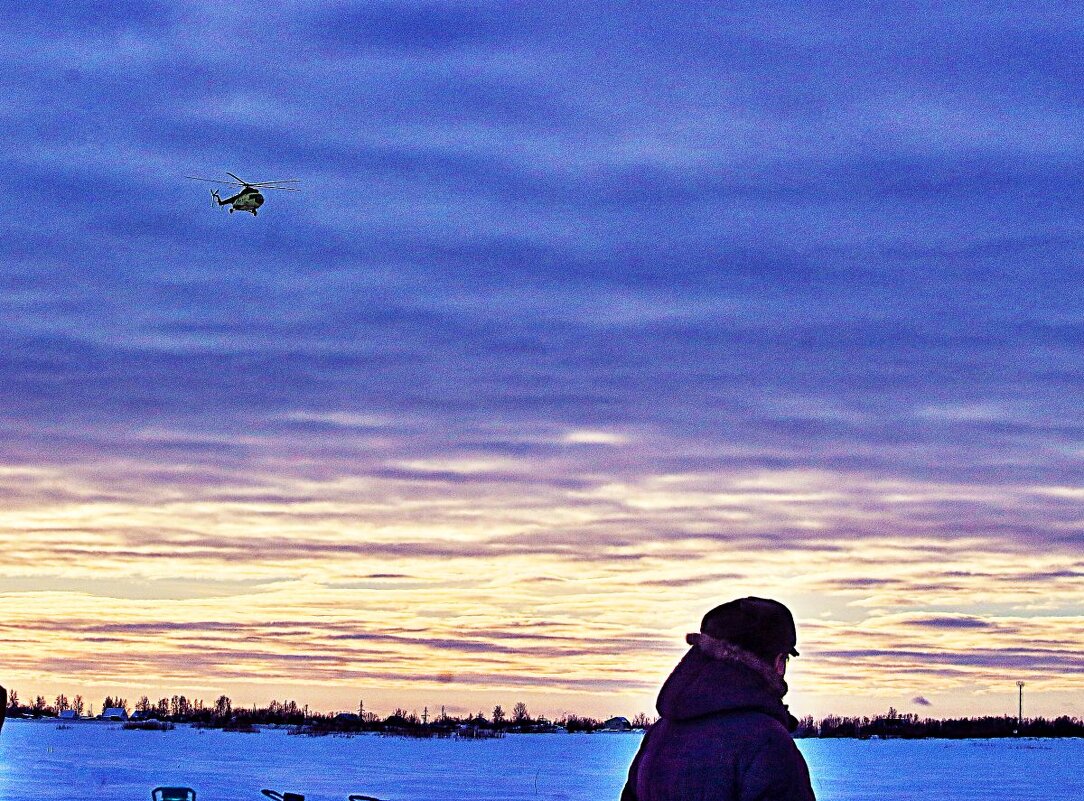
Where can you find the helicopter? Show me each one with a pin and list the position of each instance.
(250, 197)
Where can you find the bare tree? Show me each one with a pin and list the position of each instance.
(519, 713)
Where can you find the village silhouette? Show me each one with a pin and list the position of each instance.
(167, 713)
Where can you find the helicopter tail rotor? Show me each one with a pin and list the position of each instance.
(215, 197)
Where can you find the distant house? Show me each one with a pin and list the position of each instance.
(114, 713)
(68, 714)
(617, 724)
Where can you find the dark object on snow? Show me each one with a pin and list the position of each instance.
(356, 797)
(275, 795)
(760, 625)
(173, 794)
(3, 706)
(723, 734)
(148, 725)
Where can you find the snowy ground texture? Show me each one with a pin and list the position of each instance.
(39, 762)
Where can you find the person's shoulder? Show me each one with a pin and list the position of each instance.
(757, 721)
(744, 731)
(773, 767)
(761, 736)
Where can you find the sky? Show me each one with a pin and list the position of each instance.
(588, 317)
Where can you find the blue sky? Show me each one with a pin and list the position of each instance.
(774, 298)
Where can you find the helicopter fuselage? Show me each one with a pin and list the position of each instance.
(248, 199)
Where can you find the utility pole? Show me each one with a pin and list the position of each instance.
(425, 716)
(1020, 708)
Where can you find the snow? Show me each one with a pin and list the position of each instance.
(93, 760)
(946, 770)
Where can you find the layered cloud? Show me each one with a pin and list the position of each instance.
(586, 318)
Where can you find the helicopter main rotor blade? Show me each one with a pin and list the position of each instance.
(272, 183)
(280, 188)
(213, 181)
(240, 181)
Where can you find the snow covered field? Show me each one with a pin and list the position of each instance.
(39, 762)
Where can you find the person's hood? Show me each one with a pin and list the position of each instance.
(716, 676)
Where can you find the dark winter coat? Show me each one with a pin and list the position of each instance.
(723, 734)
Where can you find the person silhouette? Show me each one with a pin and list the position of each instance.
(724, 732)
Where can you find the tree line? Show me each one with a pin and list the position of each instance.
(909, 726)
(224, 714)
(176, 709)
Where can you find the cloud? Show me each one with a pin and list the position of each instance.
(918, 700)
(571, 305)
(588, 437)
(950, 622)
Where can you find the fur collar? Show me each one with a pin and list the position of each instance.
(724, 651)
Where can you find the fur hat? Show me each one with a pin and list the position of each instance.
(760, 625)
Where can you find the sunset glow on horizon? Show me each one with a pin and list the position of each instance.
(583, 323)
